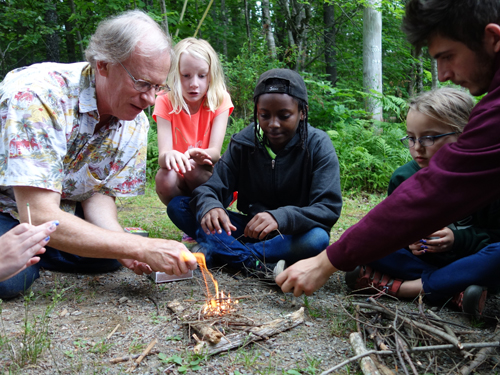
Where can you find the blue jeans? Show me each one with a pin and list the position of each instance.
(240, 252)
(440, 284)
(53, 259)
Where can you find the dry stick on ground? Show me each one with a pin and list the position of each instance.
(113, 331)
(439, 322)
(398, 350)
(367, 365)
(481, 356)
(448, 330)
(422, 326)
(412, 350)
(355, 358)
(144, 354)
(129, 357)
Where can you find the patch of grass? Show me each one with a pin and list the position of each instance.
(148, 212)
(188, 362)
(246, 358)
(35, 337)
(341, 324)
(312, 367)
(354, 207)
(136, 347)
(101, 347)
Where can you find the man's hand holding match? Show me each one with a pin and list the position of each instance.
(99, 235)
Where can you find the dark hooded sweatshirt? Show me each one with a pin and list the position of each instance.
(300, 188)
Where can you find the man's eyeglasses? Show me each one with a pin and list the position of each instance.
(144, 86)
(425, 141)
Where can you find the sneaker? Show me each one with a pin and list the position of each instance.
(471, 301)
(280, 267)
(365, 279)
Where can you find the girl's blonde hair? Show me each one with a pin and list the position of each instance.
(447, 105)
(199, 49)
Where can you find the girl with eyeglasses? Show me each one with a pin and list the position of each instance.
(435, 118)
(192, 119)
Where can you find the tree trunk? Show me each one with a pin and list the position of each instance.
(247, 22)
(203, 19)
(434, 72)
(372, 57)
(78, 34)
(70, 42)
(225, 28)
(164, 23)
(420, 74)
(268, 28)
(329, 38)
(182, 16)
(52, 39)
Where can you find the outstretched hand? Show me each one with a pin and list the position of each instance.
(21, 244)
(306, 276)
(216, 220)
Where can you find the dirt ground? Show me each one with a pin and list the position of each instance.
(87, 308)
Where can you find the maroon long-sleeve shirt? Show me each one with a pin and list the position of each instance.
(461, 177)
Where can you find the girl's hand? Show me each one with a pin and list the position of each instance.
(443, 242)
(177, 161)
(21, 244)
(214, 219)
(261, 225)
(199, 156)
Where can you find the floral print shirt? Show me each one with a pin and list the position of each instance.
(48, 115)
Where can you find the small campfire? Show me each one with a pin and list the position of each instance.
(217, 304)
(219, 326)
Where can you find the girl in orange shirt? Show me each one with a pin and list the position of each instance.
(191, 118)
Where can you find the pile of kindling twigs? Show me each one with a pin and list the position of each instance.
(414, 343)
(216, 334)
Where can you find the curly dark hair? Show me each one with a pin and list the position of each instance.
(460, 20)
(301, 129)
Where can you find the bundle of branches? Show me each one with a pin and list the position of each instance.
(409, 340)
(216, 334)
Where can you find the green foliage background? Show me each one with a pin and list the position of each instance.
(368, 152)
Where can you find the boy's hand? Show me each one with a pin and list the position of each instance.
(177, 161)
(215, 220)
(199, 156)
(260, 226)
(444, 242)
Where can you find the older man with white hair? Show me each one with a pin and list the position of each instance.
(74, 137)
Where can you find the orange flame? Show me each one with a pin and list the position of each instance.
(217, 304)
